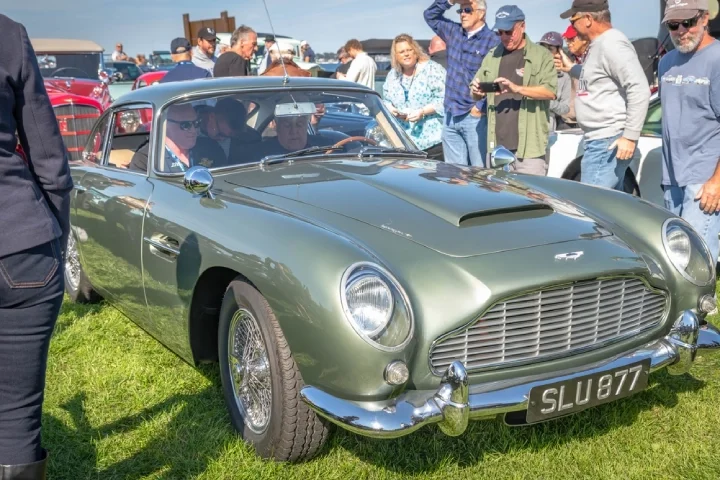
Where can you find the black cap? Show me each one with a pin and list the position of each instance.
(207, 33)
(269, 38)
(180, 45)
(586, 6)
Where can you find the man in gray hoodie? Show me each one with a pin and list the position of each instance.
(612, 96)
(204, 53)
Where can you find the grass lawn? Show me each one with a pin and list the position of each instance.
(120, 405)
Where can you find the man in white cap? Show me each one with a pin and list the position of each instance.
(690, 100)
(307, 53)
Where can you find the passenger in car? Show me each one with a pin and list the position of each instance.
(226, 123)
(292, 135)
(183, 147)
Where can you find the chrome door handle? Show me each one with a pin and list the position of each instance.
(164, 245)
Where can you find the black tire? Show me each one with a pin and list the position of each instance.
(293, 432)
(78, 287)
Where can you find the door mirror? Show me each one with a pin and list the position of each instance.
(501, 157)
(198, 181)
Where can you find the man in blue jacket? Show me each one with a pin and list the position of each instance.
(465, 132)
(184, 68)
(34, 227)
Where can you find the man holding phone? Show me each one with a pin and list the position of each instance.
(519, 80)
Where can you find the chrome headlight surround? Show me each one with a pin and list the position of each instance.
(688, 252)
(396, 326)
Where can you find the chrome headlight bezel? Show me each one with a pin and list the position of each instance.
(697, 248)
(399, 297)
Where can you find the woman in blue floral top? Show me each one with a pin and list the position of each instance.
(414, 91)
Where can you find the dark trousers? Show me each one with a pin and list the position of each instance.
(31, 293)
(435, 152)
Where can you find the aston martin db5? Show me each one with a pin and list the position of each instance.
(289, 230)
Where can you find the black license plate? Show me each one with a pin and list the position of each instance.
(572, 396)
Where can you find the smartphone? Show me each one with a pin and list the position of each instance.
(489, 87)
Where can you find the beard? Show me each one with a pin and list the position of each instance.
(690, 42)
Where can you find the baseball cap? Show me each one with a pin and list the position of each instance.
(552, 38)
(180, 45)
(570, 33)
(269, 38)
(304, 42)
(585, 6)
(683, 9)
(207, 33)
(507, 16)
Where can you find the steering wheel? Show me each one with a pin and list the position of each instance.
(352, 139)
(83, 73)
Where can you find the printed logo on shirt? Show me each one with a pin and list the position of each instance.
(582, 89)
(689, 80)
(520, 72)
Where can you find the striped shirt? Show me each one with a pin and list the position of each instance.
(465, 55)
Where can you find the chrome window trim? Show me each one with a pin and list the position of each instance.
(571, 353)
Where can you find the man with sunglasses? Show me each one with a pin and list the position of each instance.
(690, 98)
(183, 147)
(464, 135)
(612, 96)
(518, 112)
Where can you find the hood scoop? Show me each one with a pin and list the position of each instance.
(514, 213)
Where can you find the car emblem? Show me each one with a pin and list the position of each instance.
(569, 256)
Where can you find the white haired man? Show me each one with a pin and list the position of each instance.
(236, 61)
(282, 53)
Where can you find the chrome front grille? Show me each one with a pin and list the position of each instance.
(75, 122)
(553, 322)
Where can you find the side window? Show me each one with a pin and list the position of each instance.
(653, 121)
(93, 151)
(141, 84)
(131, 129)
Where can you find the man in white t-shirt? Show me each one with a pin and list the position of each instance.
(363, 67)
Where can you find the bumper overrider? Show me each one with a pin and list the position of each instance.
(456, 402)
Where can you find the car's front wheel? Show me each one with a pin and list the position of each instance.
(261, 381)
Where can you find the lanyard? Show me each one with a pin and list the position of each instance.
(407, 90)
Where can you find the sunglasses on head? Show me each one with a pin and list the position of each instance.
(689, 23)
(187, 124)
(465, 10)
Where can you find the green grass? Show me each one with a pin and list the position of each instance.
(120, 405)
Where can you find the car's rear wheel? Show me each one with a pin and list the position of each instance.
(77, 285)
(261, 381)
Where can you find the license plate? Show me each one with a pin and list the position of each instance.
(572, 396)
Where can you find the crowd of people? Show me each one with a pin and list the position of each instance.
(478, 87)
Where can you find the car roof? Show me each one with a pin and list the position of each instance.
(164, 92)
(64, 45)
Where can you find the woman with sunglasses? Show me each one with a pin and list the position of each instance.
(414, 91)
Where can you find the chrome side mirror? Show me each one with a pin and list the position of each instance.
(199, 181)
(105, 76)
(501, 157)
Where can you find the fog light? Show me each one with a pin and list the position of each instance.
(396, 373)
(707, 303)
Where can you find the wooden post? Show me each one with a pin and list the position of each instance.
(186, 27)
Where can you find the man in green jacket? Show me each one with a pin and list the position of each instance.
(525, 72)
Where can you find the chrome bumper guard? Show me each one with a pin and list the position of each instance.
(455, 402)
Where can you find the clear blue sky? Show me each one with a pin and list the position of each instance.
(146, 25)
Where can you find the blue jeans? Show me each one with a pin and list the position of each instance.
(600, 166)
(681, 201)
(464, 139)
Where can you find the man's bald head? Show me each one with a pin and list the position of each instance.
(436, 45)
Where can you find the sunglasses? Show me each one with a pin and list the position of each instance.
(672, 26)
(467, 10)
(506, 33)
(187, 124)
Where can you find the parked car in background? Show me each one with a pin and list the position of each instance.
(72, 72)
(124, 74)
(358, 283)
(313, 68)
(148, 79)
(161, 60)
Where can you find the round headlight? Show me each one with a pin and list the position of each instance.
(376, 306)
(370, 302)
(687, 252)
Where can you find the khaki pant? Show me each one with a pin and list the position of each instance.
(531, 166)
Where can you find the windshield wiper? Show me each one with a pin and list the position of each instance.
(375, 149)
(270, 159)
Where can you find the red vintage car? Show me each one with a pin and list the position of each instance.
(77, 85)
(148, 79)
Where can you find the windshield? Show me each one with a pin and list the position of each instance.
(247, 127)
(77, 65)
(161, 59)
(129, 71)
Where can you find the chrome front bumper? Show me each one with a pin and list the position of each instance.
(455, 402)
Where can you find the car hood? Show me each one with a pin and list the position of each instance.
(82, 87)
(455, 211)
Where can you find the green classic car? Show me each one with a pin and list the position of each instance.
(288, 229)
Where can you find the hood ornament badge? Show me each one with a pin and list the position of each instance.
(569, 256)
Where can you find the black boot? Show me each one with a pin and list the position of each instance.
(28, 471)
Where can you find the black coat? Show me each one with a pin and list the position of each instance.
(34, 195)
